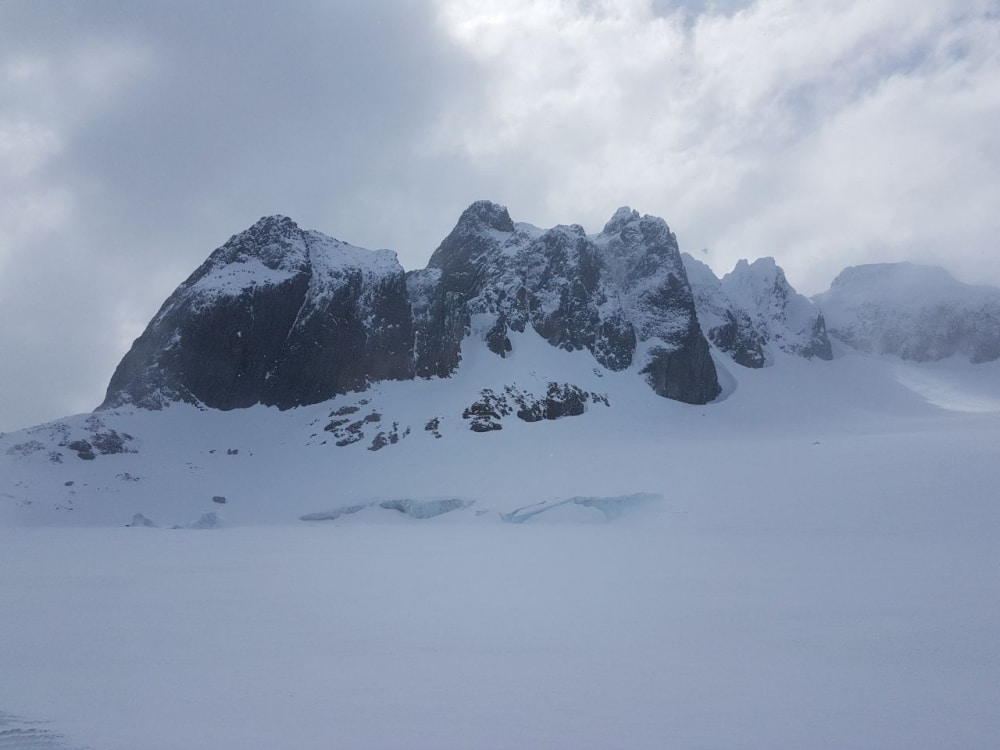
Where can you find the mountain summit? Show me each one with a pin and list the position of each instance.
(286, 317)
(277, 316)
(623, 295)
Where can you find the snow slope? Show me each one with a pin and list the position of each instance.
(812, 565)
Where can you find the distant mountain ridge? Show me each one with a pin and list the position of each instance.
(913, 312)
(551, 358)
(286, 317)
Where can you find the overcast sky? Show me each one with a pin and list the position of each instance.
(135, 137)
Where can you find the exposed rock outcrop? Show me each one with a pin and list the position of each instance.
(277, 316)
(487, 413)
(618, 294)
(287, 317)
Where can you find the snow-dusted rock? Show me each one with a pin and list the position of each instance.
(286, 317)
(278, 316)
(753, 310)
(558, 400)
(622, 294)
(913, 311)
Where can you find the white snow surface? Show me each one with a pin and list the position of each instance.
(809, 563)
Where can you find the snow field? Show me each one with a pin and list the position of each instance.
(820, 571)
(697, 628)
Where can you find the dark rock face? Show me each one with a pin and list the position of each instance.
(286, 317)
(440, 322)
(605, 293)
(100, 440)
(650, 287)
(684, 374)
(560, 400)
(819, 345)
(83, 449)
(277, 316)
(486, 414)
(737, 337)
(348, 429)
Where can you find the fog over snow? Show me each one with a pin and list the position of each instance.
(137, 137)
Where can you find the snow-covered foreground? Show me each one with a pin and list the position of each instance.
(715, 624)
(816, 565)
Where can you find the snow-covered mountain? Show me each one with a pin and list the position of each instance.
(914, 312)
(285, 317)
(508, 327)
(451, 497)
(622, 295)
(277, 316)
(753, 311)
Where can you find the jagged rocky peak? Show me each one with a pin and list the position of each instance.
(486, 214)
(283, 316)
(753, 310)
(480, 229)
(914, 312)
(439, 295)
(272, 239)
(622, 294)
(278, 316)
(621, 218)
(648, 299)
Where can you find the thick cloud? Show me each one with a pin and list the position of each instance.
(137, 136)
(823, 134)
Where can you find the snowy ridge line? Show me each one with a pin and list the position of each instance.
(914, 312)
(286, 317)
